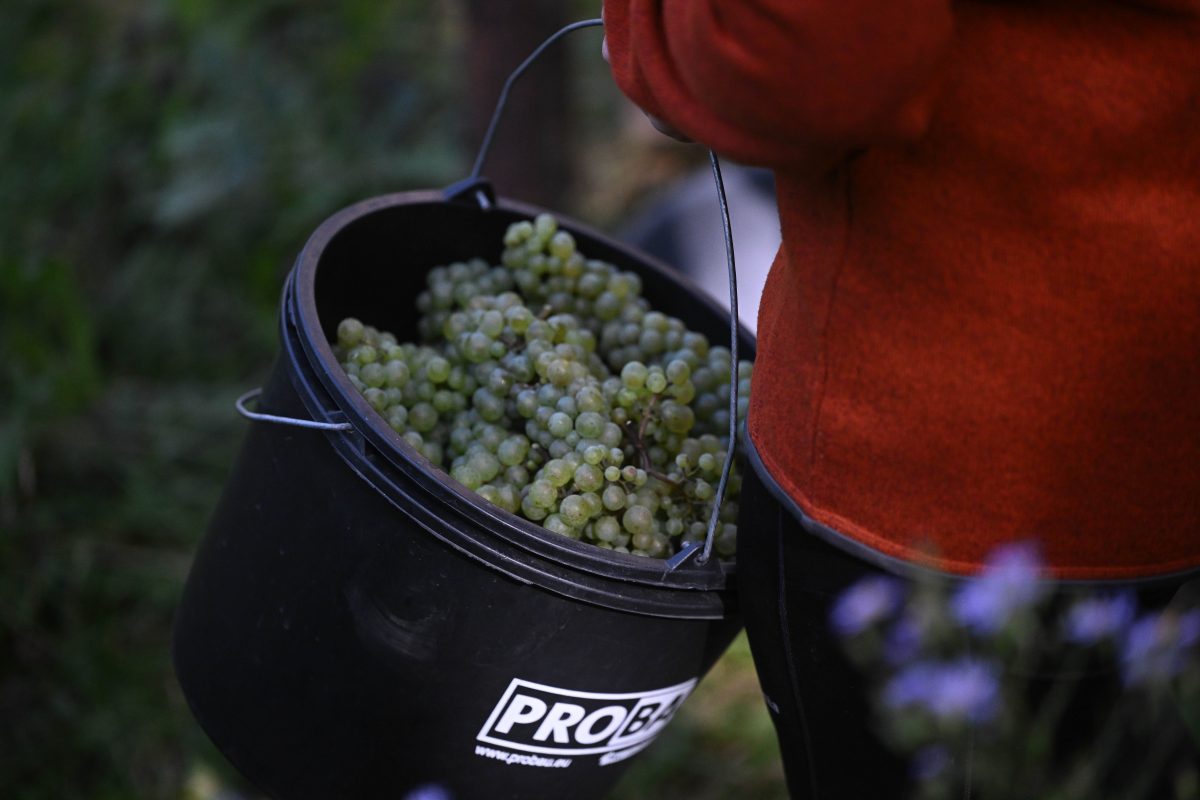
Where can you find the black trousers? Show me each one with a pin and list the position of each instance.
(788, 580)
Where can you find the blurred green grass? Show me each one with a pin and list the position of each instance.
(164, 162)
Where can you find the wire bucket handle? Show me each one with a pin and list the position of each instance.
(477, 189)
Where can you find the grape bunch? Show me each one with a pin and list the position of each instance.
(549, 386)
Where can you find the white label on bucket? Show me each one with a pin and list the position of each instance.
(536, 718)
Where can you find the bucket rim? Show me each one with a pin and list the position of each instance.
(302, 312)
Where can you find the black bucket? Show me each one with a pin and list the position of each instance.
(356, 624)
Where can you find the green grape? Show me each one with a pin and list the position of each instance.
(543, 493)
(527, 403)
(531, 510)
(544, 226)
(656, 381)
(518, 317)
(574, 510)
(611, 437)
(558, 472)
(591, 399)
(593, 503)
(375, 397)
(476, 347)
(484, 464)
(490, 436)
(590, 424)
(595, 454)
(513, 450)
(588, 478)
(437, 369)
(566, 404)
(422, 417)
(638, 519)
(396, 373)
(677, 417)
(445, 401)
(364, 354)
(518, 232)
(517, 476)
(559, 424)
(491, 494)
(488, 405)
(499, 381)
(634, 375)
(678, 371)
(466, 475)
(349, 332)
(558, 525)
(373, 374)
(607, 529)
(491, 324)
(607, 306)
(397, 417)
(651, 342)
(559, 372)
(562, 245)
(613, 497)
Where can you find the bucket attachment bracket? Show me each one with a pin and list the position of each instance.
(471, 190)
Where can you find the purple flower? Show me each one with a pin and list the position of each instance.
(1098, 618)
(1009, 582)
(967, 689)
(904, 640)
(912, 686)
(865, 603)
(429, 791)
(1160, 646)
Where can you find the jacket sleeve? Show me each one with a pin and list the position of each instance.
(782, 83)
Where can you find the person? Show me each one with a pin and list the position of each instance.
(983, 323)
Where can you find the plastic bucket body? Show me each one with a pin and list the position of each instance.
(356, 624)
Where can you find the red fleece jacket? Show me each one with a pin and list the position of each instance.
(984, 322)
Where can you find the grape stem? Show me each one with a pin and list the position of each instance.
(646, 414)
(653, 473)
(638, 440)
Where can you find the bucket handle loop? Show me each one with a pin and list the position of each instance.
(258, 416)
(476, 188)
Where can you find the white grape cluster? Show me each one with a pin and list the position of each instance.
(547, 385)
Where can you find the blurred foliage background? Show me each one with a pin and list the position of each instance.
(164, 160)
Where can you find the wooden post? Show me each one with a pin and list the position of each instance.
(530, 155)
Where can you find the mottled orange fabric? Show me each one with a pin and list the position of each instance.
(984, 322)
